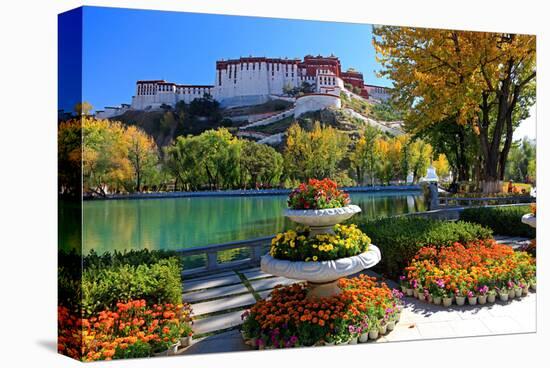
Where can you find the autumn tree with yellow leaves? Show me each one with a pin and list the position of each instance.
(479, 80)
(314, 154)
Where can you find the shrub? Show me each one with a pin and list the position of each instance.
(399, 238)
(502, 220)
(127, 257)
(157, 282)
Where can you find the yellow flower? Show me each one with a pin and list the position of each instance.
(315, 258)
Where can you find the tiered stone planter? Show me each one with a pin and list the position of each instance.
(529, 219)
(322, 277)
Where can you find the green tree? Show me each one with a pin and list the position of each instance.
(417, 157)
(521, 161)
(260, 164)
(364, 157)
(143, 156)
(313, 154)
(484, 81)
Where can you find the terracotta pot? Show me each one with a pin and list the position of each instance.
(491, 298)
(460, 300)
(482, 299)
(447, 302)
(472, 300)
(437, 300)
(364, 337)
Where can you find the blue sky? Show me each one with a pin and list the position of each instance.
(121, 46)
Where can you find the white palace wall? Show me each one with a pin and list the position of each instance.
(314, 102)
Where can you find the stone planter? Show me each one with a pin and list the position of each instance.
(421, 296)
(460, 300)
(373, 334)
(353, 341)
(534, 287)
(482, 299)
(518, 291)
(364, 337)
(437, 300)
(511, 294)
(410, 292)
(383, 329)
(322, 276)
(491, 298)
(472, 300)
(447, 302)
(525, 290)
(390, 325)
(529, 219)
(322, 221)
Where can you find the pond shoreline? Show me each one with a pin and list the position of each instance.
(247, 193)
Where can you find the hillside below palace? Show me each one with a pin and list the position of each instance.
(255, 80)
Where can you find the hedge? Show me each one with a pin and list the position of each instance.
(399, 238)
(158, 282)
(502, 220)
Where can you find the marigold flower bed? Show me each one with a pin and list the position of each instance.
(132, 330)
(295, 245)
(288, 319)
(474, 270)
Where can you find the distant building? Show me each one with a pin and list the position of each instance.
(254, 80)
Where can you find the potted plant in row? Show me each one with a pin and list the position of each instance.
(482, 297)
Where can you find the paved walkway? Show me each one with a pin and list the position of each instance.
(219, 300)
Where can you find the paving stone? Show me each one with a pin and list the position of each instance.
(196, 296)
(218, 322)
(255, 274)
(264, 294)
(225, 342)
(424, 312)
(502, 325)
(223, 304)
(206, 277)
(435, 330)
(404, 332)
(469, 327)
(226, 279)
(263, 284)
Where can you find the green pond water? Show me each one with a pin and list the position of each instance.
(175, 223)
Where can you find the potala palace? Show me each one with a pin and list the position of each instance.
(254, 80)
